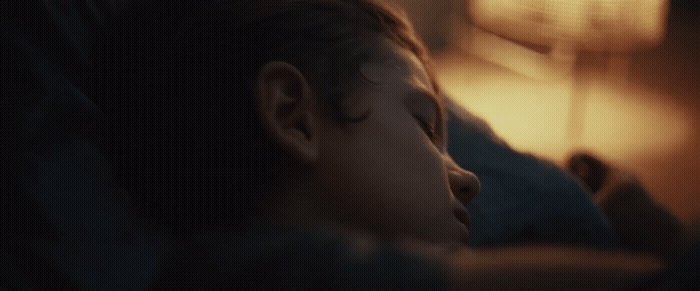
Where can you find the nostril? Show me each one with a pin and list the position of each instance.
(468, 188)
(465, 185)
(466, 194)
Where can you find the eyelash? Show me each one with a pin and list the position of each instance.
(429, 131)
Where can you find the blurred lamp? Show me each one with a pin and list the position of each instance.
(567, 27)
(590, 25)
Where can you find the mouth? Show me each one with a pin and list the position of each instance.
(464, 217)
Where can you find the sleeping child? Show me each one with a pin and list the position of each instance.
(294, 144)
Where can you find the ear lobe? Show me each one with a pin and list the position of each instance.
(286, 110)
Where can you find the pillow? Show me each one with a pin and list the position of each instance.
(523, 199)
(66, 224)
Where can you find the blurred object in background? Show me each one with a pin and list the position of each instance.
(640, 90)
(532, 114)
(557, 31)
(641, 224)
(593, 25)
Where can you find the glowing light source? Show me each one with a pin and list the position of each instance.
(546, 104)
(600, 25)
(532, 114)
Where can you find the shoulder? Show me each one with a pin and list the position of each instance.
(280, 258)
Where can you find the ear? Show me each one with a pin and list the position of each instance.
(286, 109)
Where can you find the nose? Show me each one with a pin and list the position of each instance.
(464, 184)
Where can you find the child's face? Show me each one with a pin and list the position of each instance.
(390, 173)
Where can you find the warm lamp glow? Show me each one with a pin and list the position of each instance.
(599, 25)
(532, 115)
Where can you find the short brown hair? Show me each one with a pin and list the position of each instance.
(183, 132)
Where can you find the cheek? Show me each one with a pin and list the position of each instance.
(400, 168)
(385, 174)
(401, 150)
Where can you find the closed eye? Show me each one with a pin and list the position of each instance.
(427, 129)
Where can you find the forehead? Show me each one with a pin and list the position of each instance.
(391, 62)
(399, 72)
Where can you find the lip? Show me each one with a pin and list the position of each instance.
(463, 216)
